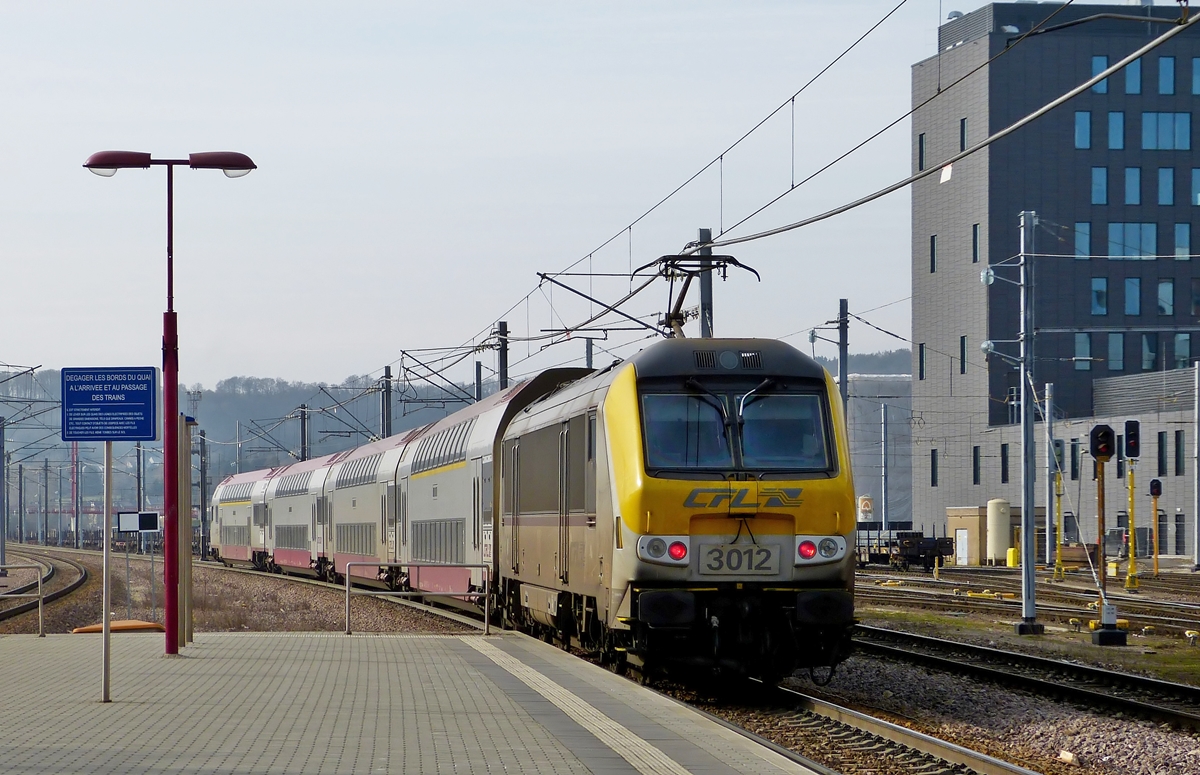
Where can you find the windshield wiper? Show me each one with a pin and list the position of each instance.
(716, 399)
(764, 385)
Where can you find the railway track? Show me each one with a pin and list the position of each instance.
(1160, 701)
(51, 564)
(942, 598)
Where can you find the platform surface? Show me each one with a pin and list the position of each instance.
(332, 704)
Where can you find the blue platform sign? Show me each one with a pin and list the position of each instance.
(118, 404)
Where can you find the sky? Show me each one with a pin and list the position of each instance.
(420, 163)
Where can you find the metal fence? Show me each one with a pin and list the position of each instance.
(486, 594)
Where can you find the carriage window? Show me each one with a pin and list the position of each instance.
(685, 431)
(784, 431)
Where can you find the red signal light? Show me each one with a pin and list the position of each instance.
(677, 550)
(807, 550)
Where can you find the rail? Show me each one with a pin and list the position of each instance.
(39, 594)
(486, 594)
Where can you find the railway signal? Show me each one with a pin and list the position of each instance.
(1133, 441)
(1103, 444)
(1155, 492)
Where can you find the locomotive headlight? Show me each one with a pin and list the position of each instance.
(664, 550)
(656, 547)
(807, 550)
(828, 547)
(678, 550)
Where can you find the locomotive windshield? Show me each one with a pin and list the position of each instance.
(686, 431)
(783, 431)
(757, 430)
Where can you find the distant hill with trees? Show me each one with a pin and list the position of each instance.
(886, 362)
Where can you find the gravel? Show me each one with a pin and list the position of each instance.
(229, 601)
(1008, 724)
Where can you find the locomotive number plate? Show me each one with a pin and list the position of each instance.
(738, 560)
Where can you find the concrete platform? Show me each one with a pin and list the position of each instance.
(330, 704)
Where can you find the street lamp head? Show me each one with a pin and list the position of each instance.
(987, 276)
(106, 163)
(988, 347)
(233, 164)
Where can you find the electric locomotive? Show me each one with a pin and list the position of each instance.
(688, 509)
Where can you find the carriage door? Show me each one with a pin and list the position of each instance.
(402, 518)
(564, 502)
(390, 507)
(486, 510)
(514, 503)
(322, 507)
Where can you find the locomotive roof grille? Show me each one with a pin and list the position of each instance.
(237, 492)
(443, 448)
(356, 472)
(706, 359)
(293, 484)
(751, 360)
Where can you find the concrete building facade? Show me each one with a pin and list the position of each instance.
(1115, 183)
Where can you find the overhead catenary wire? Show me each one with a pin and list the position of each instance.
(935, 169)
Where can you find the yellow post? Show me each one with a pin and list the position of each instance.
(937, 563)
(1100, 529)
(1154, 529)
(1131, 579)
(1059, 573)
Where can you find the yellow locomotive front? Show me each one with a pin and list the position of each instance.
(732, 483)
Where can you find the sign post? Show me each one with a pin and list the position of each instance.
(109, 404)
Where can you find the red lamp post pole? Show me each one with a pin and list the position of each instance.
(171, 438)
(234, 165)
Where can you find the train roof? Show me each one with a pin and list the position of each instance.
(724, 357)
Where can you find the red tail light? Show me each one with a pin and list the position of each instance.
(807, 550)
(678, 550)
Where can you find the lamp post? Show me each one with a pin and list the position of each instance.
(234, 165)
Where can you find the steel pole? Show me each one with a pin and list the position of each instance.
(1196, 474)
(844, 353)
(883, 489)
(1051, 470)
(106, 595)
(170, 439)
(706, 285)
(1029, 625)
(3, 502)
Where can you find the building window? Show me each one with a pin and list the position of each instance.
(1133, 77)
(1133, 296)
(1099, 185)
(1099, 65)
(921, 361)
(1166, 185)
(1183, 241)
(933, 468)
(1083, 129)
(1166, 131)
(1162, 453)
(1166, 75)
(932, 253)
(1116, 131)
(1166, 297)
(1116, 352)
(975, 243)
(976, 467)
(1183, 350)
(1195, 75)
(962, 134)
(1132, 240)
(1195, 197)
(1099, 295)
(1179, 451)
(921, 151)
(1003, 464)
(1074, 460)
(1133, 185)
(1083, 239)
(962, 355)
(1083, 352)
(1149, 352)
